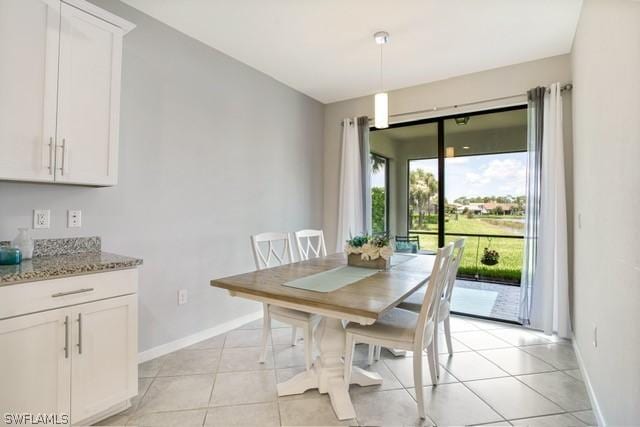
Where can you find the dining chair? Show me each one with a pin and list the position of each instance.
(273, 249)
(406, 330)
(306, 247)
(414, 302)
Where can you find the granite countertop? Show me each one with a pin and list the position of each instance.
(62, 258)
(57, 266)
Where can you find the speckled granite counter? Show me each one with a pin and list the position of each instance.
(54, 267)
(63, 258)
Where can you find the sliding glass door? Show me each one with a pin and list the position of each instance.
(462, 177)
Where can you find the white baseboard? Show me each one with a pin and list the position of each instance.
(178, 344)
(595, 407)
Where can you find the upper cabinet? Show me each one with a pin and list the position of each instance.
(59, 91)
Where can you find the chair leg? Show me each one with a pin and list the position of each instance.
(378, 350)
(433, 361)
(433, 349)
(417, 380)
(308, 345)
(293, 335)
(432, 352)
(266, 333)
(447, 334)
(370, 354)
(350, 346)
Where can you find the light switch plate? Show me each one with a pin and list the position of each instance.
(41, 218)
(74, 218)
(183, 296)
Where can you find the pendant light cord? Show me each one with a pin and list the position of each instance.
(381, 85)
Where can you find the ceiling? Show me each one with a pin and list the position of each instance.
(325, 49)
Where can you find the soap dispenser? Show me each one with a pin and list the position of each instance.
(24, 242)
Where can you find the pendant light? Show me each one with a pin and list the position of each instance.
(381, 99)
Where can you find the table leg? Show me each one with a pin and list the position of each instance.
(327, 373)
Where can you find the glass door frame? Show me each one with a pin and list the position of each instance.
(441, 156)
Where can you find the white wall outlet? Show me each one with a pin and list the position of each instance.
(74, 218)
(183, 296)
(41, 218)
(595, 336)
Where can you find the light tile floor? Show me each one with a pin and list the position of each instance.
(498, 375)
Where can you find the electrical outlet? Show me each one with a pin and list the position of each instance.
(595, 336)
(183, 296)
(74, 218)
(41, 218)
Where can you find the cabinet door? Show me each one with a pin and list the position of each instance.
(29, 32)
(105, 356)
(35, 367)
(88, 99)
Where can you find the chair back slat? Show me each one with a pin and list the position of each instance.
(456, 258)
(307, 247)
(265, 249)
(435, 286)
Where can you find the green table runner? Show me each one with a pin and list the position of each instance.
(331, 280)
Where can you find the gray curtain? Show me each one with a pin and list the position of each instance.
(363, 141)
(535, 127)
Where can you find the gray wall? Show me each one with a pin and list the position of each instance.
(211, 151)
(606, 70)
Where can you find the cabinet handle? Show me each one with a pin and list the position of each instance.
(51, 155)
(66, 337)
(63, 162)
(79, 333)
(77, 291)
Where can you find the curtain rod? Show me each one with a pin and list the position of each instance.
(564, 88)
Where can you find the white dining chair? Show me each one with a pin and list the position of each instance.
(414, 302)
(269, 250)
(310, 244)
(406, 330)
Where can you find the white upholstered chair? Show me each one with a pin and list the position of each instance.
(414, 302)
(269, 250)
(310, 244)
(406, 330)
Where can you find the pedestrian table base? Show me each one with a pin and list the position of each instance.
(327, 373)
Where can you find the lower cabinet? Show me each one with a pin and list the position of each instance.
(104, 362)
(77, 361)
(35, 364)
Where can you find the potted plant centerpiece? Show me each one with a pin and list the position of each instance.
(369, 251)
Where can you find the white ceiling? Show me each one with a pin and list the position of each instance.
(325, 48)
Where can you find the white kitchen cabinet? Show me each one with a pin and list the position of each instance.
(29, 36)
(104, 335)
(59, 119)
(35, 363)
(71, 347)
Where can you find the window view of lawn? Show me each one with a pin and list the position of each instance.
(510, 250)
(498, 257)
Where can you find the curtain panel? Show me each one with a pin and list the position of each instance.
(545, 279)
(354, 198)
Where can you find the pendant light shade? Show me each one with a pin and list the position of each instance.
(381, 102)
(381, 99)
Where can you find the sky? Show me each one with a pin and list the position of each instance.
(487, 175)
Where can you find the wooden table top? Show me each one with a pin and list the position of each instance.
(363, 301)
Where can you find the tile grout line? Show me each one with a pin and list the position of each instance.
(556, 369)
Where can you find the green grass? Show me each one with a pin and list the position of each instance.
(509, 268)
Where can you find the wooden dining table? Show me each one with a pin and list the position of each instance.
(363, 301)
